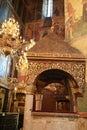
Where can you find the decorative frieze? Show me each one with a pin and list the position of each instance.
(75, 69)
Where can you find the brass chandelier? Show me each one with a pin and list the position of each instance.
(10, 40)
(11, 43)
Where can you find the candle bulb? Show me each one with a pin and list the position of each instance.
(15, 90)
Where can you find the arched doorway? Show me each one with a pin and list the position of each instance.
(56, 88)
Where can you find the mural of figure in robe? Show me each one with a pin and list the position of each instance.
(71, 21)
(84, 10)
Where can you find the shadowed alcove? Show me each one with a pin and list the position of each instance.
(56, 87)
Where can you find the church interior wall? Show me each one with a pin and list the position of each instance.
(72, 27)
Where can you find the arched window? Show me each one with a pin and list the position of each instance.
(47, 10)
(4, 10)
(5, 65)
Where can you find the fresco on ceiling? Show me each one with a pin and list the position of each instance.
(75, 18)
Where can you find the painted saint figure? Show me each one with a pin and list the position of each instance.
(71, 22)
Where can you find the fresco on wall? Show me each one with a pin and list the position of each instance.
(75, 18)
(34, 10)
(33, 31)
(58, 8)
(34, 27)
(58, 18)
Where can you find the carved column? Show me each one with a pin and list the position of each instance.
(75, 92)
(28, 107)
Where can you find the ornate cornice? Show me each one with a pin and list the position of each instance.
(55, 56)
